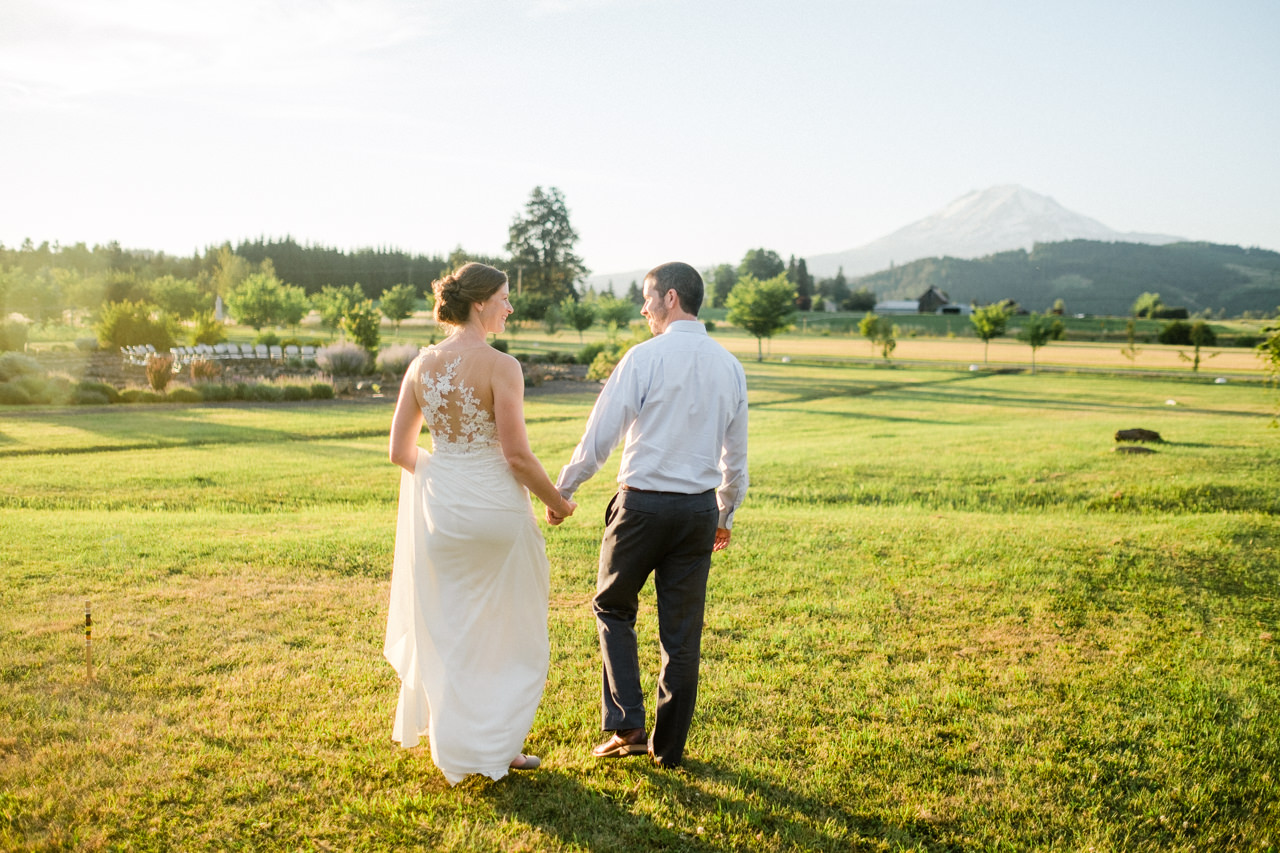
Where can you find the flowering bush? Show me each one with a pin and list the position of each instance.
(343, 359)
(396, 358)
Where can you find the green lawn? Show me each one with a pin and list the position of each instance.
(951, 618)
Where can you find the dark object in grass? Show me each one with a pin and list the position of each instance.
(1129, 448)
(1138, 435)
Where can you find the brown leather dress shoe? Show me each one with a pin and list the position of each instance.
(626, 742)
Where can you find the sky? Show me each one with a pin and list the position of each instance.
(676, 129)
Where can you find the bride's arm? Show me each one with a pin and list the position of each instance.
(508, 415)
(406, 424)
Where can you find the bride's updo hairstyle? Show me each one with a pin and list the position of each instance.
(460, 289)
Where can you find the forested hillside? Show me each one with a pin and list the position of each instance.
(1098, 278)
(313, 267)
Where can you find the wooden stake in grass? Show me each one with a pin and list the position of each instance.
(88, 643)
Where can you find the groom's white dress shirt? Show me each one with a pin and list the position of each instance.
(681, 401)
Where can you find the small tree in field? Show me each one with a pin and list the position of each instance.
(398, 302)
(1269, 352)
(615, 313)
(1036, 333)
(1199, 335)
(880, 332)
(763, 308)
(362, 323)
(989, 322)
(335, 302)
(258, 300)
(580, 314)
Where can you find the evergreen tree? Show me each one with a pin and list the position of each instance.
(722, 280)
(804, 286)
(541, 246)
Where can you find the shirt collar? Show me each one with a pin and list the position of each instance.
(694, 326)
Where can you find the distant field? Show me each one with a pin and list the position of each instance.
(951, 618)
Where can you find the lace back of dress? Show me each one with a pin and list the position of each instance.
(451, 409)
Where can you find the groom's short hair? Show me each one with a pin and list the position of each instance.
(681, 278)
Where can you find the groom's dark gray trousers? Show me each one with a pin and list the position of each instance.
(669, 535)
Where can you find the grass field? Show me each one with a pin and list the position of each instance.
(951, 619)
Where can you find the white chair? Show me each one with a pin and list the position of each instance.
(276, 353)
(260, 351)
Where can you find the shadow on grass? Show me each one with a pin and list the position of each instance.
(759, 814)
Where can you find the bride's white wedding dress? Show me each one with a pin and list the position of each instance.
(467, 625)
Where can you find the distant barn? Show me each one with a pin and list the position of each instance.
(932, 301)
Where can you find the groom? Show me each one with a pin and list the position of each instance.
(680, 399)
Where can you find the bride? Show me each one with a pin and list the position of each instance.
(467, 624)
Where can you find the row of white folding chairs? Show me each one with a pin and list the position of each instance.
(224, 352)
(138, 354)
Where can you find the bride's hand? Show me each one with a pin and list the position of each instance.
(554, 518)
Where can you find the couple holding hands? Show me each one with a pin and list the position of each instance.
(467, 624)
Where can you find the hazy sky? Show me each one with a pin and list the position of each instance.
(677, 129)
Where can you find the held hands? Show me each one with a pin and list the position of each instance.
(554, 518)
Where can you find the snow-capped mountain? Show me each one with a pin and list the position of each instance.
(980, 223)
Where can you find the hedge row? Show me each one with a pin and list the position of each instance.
(31, 389)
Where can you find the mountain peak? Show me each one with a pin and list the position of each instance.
(982, 222)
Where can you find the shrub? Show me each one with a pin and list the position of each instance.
(395, 359)
(204, 369)
(296, 392)
(140, 395)
(159, 371)
(499, 345)
(46, 389)
(209, 330)
(87, 344)
(263, 393)
(88, 386)
(267, 339)
(343, 359)
(214, 392)
(184, 395)
(1177, 332)
(321, 391)
(124, 324)
(603, 364)
(15, 364)
(588, 354)
(710, 325)
(13, 394)
(88, 397)
(13, 336)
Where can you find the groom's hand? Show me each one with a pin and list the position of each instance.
(554, 518)
(722, 539)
